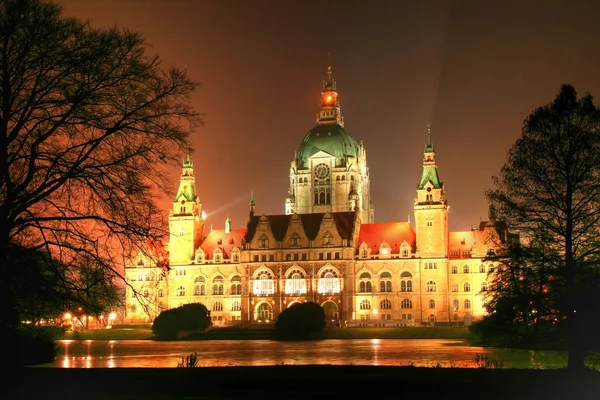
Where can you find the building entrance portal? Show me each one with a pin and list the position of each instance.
(332, 313)
(264, 313)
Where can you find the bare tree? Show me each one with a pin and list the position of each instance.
(87, 121)
(550, 183)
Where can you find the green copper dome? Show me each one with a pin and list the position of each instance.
(329, 138)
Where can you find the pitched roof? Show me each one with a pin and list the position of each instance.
(226, 241)
(462, 241)
(393, 233)
(311, 223)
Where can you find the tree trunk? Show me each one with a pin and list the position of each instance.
(576, 340)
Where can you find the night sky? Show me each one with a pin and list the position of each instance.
(473, 69)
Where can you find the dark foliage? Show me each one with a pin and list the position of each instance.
(549, 191)
(29, 345)
(300, 321)
(88, 123)
(189, 317)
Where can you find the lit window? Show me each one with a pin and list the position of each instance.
(296, 284)
(264, 285)
(328, 283)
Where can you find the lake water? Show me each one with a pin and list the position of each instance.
(218, 353)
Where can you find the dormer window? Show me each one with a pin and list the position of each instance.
(263, 242)
(385, 249)
(218, 256)
(199, 256)
(327, 239)
(295, 240)
(405, 250)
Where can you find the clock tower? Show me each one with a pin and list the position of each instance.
(186, 219)
(329, 171)
(431, 209)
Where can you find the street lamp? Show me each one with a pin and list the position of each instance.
(111, 318)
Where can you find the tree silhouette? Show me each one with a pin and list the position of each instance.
(87, 121)
(550, 186)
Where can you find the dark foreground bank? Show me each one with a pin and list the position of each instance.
(301, 382)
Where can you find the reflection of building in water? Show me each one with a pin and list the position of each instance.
(326, 248)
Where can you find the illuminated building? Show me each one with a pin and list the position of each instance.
(325, 248)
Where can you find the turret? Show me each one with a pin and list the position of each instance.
(252, 205)
(186, 219)
(431, 208)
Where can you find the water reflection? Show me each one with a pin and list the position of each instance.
(384, 352)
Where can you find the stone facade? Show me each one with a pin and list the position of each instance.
(325, 248)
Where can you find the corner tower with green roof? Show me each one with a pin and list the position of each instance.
(329, 171)
(431, 208)
(186, 222)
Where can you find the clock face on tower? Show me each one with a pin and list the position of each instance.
(322, 171)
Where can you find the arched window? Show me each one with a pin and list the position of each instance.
(482, 268)
(467, 303)
(455, 287)
(365, 305)
(236, 306)
(161, 292)
(264, 285)
(295, 240)
(365, 287)
(365, 283)
(263, 242)
(406, 304)
(431, 303)
(218, 306)
(329, 282)
(146, 292)
(385, 284)
(295, 284)
(217, 285)
(455, 305)
(454, 269)
(491, 268)
(465, 269)
(467, 287)
(385, 304)
(236, 285)
(327, 239)
(431, 287)
(484, 286)
(180, 291)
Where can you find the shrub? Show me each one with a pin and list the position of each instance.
(29, 346)
(189, 317)
(300, 321)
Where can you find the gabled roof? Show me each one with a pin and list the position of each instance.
(393, 233)
(226, 241)
(462, 241)
(311, 223)
(430, 174)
